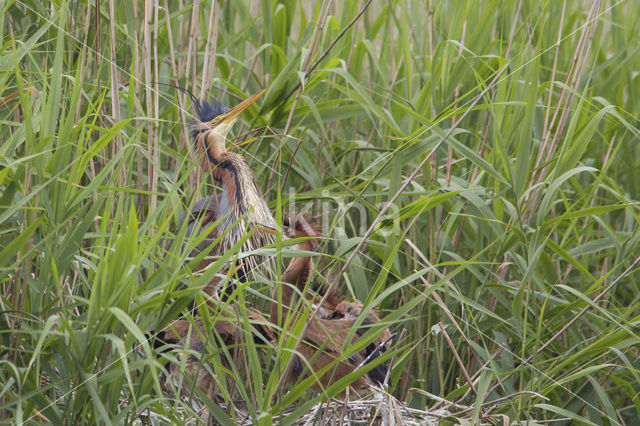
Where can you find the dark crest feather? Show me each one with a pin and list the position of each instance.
(205, 111)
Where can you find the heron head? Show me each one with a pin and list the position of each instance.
(218, 119)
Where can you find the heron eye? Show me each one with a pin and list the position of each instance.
(215, 121)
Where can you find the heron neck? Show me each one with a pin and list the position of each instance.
(237, 181)
(233, 173)
(297, 273)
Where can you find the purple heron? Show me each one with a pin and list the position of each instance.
(240, 208)
(330, 323)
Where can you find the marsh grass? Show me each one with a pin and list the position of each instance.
(474, 164)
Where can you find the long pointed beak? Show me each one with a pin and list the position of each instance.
(239, 109)
(267, 229)
(286, 231)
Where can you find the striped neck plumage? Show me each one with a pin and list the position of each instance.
(232, 172)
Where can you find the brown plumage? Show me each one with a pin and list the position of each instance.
(182, 334)
(240, 208)
(323, 342)
(329, 324)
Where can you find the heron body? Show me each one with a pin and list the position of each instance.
(240, 209)
(191, 341)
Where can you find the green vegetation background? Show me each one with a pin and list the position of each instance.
(505, 134)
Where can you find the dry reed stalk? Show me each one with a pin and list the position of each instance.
(573, 79)
(146, 59)
(115, 93)
(155, 151)
(209, 62)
